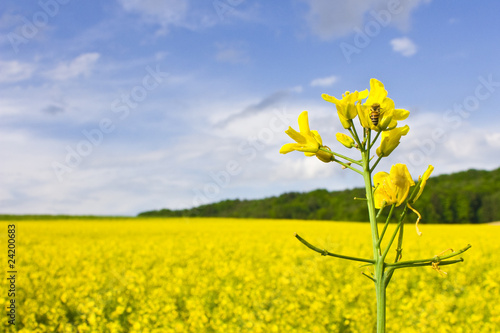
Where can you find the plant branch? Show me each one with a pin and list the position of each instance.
(429, 263)
(386, 251)
(375, 139)
(424, 262)
(375, 164)
(386, 223)
(327, 253)
(347, 166)
(354, 134)
(340, 155)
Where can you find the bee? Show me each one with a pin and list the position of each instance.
(375, 113)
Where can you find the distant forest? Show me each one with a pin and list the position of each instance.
(471, 196)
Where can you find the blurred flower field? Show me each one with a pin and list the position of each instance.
(229, 275)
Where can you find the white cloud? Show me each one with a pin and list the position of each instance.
(170, 10)
(297, 89)
(334, 18)
(15, 71)
(404, 45)
(163, 12)
(324, 81)
(493, 139)
(433, 140)
(235, 53)
(81, 65)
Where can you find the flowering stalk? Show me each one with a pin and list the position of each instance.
(376, 115)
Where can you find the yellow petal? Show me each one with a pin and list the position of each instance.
(363, 94)
(392, 188)
(387, 104)
(380, 177)
(304, 122)
(317, 137)
(390, 140)
(401, 114)
(346, 107)
(382, 195)
(344, 121)
(330, 99)
(289, 147)
(296, 136)
(364, 116)
(377, 93)
(401, 175)
(401, 178)
(425, 176)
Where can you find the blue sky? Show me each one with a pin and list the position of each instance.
(123, 106)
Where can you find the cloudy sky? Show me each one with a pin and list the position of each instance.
(121, 106)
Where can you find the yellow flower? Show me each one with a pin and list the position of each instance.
(348, 106)
(307, 141)
(390, 140)
(387, 115)
(346, 140)
(392, 188)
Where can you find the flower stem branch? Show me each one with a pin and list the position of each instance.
(346, 165)
(375, 164)
(327, 253)
(386, 251)
(354, 134)
(386, 223)
(428, 261)
(375, 139)
(441, 263)
(340, 155)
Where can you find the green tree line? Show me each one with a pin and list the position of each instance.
(471, 196)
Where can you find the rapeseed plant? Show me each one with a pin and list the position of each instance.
(378, 117)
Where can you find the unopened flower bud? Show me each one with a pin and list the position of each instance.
(324, 156)
(346, 140)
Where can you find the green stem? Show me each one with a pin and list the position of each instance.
(340, 155)
(428, 260)
(354, 134)
(370, 202)
(399, 230)
(386, 251)
(376, 163)
(399, 248)
(380, 291)
(381, 209)
(386, 223)
(429, 263)
(345, 165)
(399, 251)
(380, 283)
(375, 139)
(327, 253)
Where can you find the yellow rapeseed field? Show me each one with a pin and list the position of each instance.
(232, 275)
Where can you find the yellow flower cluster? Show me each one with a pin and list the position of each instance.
(229, 275)
(377, 113)
(376, 101)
